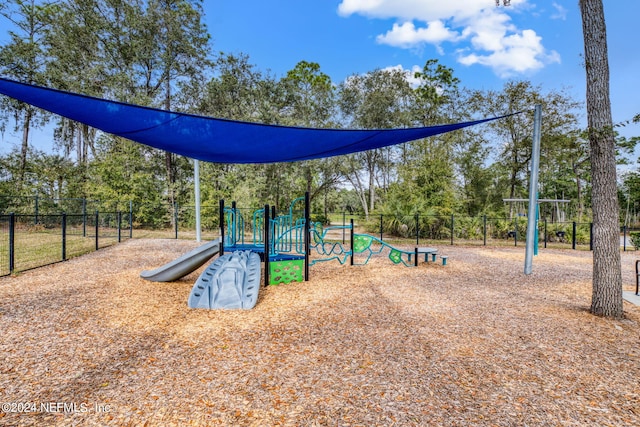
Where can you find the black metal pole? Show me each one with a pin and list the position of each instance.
(380, 226)
(637, 276)
(545, 233)
(452, 229)
(221, 227)
(119, 227)
(12, 242)
(351, 237)
(515, 232)
(84, 217)
(307, 221)
(415, 260)
(175, 218)
(233, 227)
(573, 239)
(417, 230)
(591, 236)
(97, 243)
(266, 245)
(64, 236)
(484, 229)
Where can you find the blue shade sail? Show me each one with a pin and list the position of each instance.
(211, 139)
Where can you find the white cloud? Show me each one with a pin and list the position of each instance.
(519, 53)
(409, 74)
(491, 38)
(406, 35)
(561, 12)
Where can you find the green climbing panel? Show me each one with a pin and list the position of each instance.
(361, 243)
(395, 256)
(286, 271)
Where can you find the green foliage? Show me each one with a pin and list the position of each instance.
(635, 239)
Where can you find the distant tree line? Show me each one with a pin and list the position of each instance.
(159, 53)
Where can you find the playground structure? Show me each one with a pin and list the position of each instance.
(286, 245)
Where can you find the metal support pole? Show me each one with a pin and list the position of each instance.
(532, 224)
(545, 233)
(573, 237)
(267, 220)
(535, 237)
(307, 245)
(381, 226)
(351, 232)
(417, 229)
(221, 227)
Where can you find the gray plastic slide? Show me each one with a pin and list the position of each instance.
(231, 281)
(184, 265)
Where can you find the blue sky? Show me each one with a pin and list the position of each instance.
(537, 40)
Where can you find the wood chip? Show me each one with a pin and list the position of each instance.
(475, 342)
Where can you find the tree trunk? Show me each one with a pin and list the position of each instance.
(606, 299)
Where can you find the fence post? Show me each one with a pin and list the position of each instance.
(380, 226)
(573, 239)
(417, 229)
(84, 217)
(12, 242)
(452, 229)
(64, 236)
(119, 228)
(35, 221)
(484, 229)
(545, 233)
(175, 217)
(97, 219)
